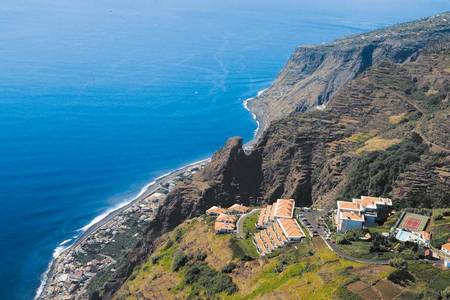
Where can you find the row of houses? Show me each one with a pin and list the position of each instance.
(360, 213)
(278, 227)
(226, 217)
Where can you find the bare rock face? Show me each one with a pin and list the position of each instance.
(314, 74)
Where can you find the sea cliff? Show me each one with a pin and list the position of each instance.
(381, 128)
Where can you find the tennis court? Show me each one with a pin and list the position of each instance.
(413, 222)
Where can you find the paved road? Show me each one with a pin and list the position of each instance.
(240, 223)
(311, 220)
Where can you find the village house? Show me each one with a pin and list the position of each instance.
(225, 222)
(215, 211)
(363, 212)
(237, 209)
(222, 227)
(224, 218)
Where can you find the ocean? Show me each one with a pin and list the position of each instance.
(97, 98)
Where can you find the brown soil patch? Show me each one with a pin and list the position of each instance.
(363, 290)
(244, 273)
(371, 273)
(387, 289)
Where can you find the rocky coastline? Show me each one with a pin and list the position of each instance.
(70, 273)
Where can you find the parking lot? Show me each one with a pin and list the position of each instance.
(313, 220)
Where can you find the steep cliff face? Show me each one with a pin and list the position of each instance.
(349, 148)
(314, 74)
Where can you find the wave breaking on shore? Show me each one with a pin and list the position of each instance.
(245, 103)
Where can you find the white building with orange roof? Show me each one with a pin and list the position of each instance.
(222, 227)
(291, 229)
(284, 208)
(363, 212)
(224, 218)
(238, 209)
(215, 211)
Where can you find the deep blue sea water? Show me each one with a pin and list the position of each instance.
(97, 98)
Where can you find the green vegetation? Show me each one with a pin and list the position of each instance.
(374, 173)
(244, 248)
(179, 260)
(229, 267)
(201, 276)
(430, 281)
(401, 277)
(440, 227)
(379, 247)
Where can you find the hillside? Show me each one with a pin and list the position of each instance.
(384, 132)
(192, 262)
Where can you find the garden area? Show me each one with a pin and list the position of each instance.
(243, 246)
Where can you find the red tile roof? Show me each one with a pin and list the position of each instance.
(226, 218)
(284, 208)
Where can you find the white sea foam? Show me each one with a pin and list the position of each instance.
(261, 92)
(245, 103)
(58, 250)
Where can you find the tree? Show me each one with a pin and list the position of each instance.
(445, 294)
(399, 263)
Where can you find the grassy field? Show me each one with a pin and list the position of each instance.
(376, 144)
(361, 249)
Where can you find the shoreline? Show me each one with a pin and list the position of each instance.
(149, 189)
(257, 131)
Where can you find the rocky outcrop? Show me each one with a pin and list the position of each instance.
(230, 174)
(314, 74)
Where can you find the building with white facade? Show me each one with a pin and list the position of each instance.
(363, 212)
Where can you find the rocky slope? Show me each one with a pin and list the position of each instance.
(384, 132)
(314, 74)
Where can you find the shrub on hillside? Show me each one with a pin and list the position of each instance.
(201, 256)
(374, 173)
(212, 281)
(179, 260)
(340, 239)
(401, 277)
(229, 267)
